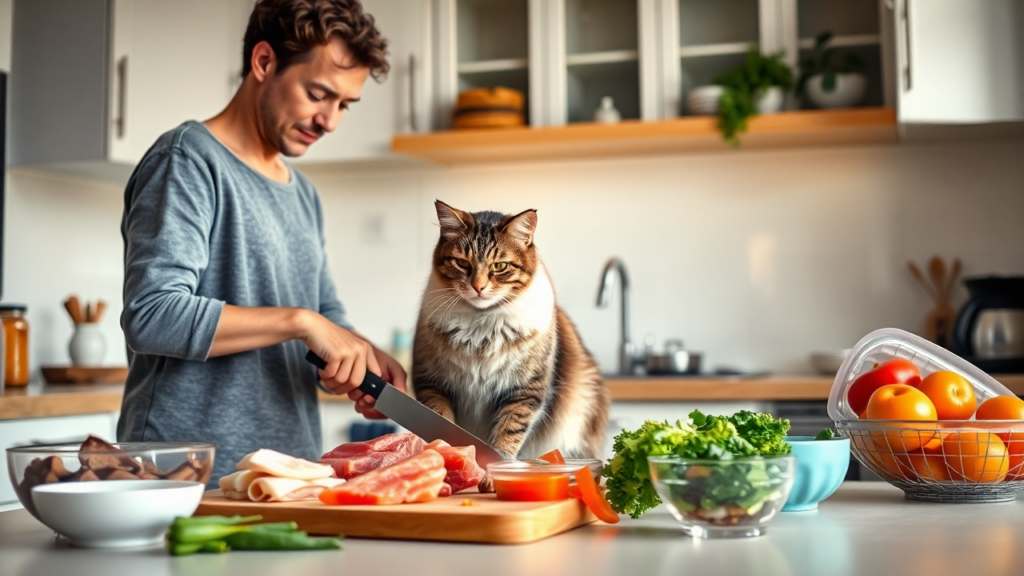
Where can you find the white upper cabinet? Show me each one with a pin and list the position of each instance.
(398, 105)
(95, 82)
(163, 75)
(960, 61)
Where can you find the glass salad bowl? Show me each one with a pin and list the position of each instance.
(723, 498)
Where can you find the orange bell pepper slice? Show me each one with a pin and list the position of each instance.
(592, 497)
(553, 457)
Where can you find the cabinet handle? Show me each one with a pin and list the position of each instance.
(122, 94)
(908, 77)
(413, 121)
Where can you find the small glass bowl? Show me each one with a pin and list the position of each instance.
(697, 492)
(52, 463)
(548, 481)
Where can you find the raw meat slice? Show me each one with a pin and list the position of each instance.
(419, 478)
(356, 458)
(270, 489)
(460, 462)
(284, 466)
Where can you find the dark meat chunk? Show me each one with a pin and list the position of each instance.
(97, 454)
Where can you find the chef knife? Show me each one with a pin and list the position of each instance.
(407, 412)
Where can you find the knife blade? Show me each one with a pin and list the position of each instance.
(415, 417)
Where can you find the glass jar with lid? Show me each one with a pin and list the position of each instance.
(15, 344)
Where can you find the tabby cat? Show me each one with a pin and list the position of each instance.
(494, 353)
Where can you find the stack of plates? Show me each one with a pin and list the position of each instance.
(703, 100)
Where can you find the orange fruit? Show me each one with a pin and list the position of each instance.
(934, 446)
(1007, 408)
(952, 395)
(1001, 408)
(976, 457)
(930, 467)
(901, 402)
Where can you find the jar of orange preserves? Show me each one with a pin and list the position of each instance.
(15, 344)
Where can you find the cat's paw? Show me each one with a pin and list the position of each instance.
(486, 485)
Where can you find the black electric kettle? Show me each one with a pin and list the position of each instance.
(989, 331)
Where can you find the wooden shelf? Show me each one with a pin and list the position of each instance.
(609, 57)
(635, 137)
(484, 66)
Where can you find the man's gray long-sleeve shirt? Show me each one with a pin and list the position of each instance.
(202, 229)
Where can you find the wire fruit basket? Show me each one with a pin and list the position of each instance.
(948, 461)
(937, 461)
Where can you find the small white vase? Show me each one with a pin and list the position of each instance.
(88, 346)
(606, 113)
(849, 91)
(770, 101)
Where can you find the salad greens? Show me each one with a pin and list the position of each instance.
(826, 434)
(743, 434)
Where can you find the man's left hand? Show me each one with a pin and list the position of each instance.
(390, 371)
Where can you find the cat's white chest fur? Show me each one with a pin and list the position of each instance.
(485, 354)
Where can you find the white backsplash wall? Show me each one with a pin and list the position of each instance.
(755, 258)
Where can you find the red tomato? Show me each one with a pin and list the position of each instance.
(951, 393)
(1007, 408)
(901, 402)
(895, 371)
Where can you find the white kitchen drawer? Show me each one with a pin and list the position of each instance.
(49, 431)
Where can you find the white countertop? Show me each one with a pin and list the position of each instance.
(865, 528)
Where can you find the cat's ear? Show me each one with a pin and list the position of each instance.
(454, 222)
(521, 226)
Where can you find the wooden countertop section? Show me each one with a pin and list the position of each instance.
(38, 400)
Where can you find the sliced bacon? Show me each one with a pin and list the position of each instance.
(271, 489)
(460, 462)
(356, 458)
(419, 478)
(284, 466)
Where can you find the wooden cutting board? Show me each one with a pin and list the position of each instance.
(488, 520)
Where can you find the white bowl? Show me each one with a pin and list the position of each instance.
(703, 100)
(849, 91)
(115, 513)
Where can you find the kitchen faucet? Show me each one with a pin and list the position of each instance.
(628, 358)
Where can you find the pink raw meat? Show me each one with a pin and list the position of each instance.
(460, 462)
(356, 458)
(419, 478)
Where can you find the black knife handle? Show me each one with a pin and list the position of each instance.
(372, 384)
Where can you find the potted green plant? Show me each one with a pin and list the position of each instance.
(756, 87)
(829, 81)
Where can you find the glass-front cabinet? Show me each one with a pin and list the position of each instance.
(602, 57)
(567, 55)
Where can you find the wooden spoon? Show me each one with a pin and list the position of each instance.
(924, 283)
(74, 308)
(98, 310)
(954, 275)
(937, 270)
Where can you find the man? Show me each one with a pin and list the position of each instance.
(226, 281)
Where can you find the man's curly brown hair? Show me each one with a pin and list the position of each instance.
(294, 27)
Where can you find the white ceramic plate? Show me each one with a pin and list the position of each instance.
(115, 513)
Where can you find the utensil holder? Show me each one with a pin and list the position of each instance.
(88, 346)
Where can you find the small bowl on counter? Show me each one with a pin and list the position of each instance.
(536, 480)
(723, 498)
(821, 467)
(828, 363)
(117, 513)
(95, 460)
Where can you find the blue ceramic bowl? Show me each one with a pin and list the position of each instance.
(820, 469)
